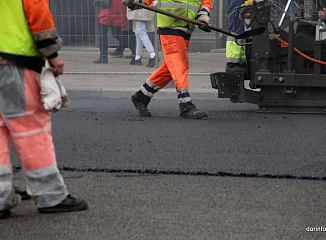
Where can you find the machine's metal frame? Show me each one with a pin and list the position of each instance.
(281, 80)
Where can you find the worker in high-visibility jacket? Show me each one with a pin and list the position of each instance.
(174, 37)
(28, 37)
(235, 54)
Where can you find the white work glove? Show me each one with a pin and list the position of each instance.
(202, 16)
(53, 93)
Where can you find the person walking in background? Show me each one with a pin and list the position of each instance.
(174, 37)
(143, 22)
(114, 15)
(103, 21)
(121, 30)
(28, 37)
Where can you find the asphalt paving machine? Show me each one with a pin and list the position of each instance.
(286, 64)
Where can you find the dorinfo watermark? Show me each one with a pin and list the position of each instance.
(316, 229)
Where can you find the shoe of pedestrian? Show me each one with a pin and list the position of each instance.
(24, 195)
(5, 213)
(151, 62)
(101, 60)
(140, 107)
(116, 53)
(193, 113)
(131, 56)
(135, 62)
(69, 204)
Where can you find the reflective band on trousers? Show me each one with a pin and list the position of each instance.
(24, 120)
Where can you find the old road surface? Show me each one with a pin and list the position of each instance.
(236, 175)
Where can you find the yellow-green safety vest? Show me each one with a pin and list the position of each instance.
(184, 8)
(15, 36)
(234, 52)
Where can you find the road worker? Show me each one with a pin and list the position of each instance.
(235, 54)
(174, 37)
(28, 37)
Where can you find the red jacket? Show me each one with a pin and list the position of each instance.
(116, 15)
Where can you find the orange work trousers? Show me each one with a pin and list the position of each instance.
(24, 120)
(175, 64)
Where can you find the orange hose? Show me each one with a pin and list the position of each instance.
(298, 51)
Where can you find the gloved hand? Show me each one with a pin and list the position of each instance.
(53, 93)
(322, 14)
(204, 19)
(129, 4)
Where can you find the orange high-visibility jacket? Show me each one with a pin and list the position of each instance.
(27, 31)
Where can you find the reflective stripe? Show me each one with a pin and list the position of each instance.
(183, 90)
(184, 100)
(235, 60)
(47, 185)
(205, 8)
(7, 199)
(177, 5)
(5, 172)
(229, 38)
(17, 115)
(183, 95)
(152, 85)
(146, 93)
(150, 93)
(232, 39)
(30, 133)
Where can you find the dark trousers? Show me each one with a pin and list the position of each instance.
(103, 32)
(126, 39)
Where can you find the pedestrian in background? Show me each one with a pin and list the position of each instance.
(143, 22)
(121, 29)
(28, 37)
(103, 22)
(113, 15)
(174, 37)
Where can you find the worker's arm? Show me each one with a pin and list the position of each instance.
(203, 14)
(43, 30)
(42, 27)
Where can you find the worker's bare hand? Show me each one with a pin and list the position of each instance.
(56, 65)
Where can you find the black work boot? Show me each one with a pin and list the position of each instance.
(193, 113)
(151, 62)
(140, 107)
(135, 62)
(5, 213)
(69, 204)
